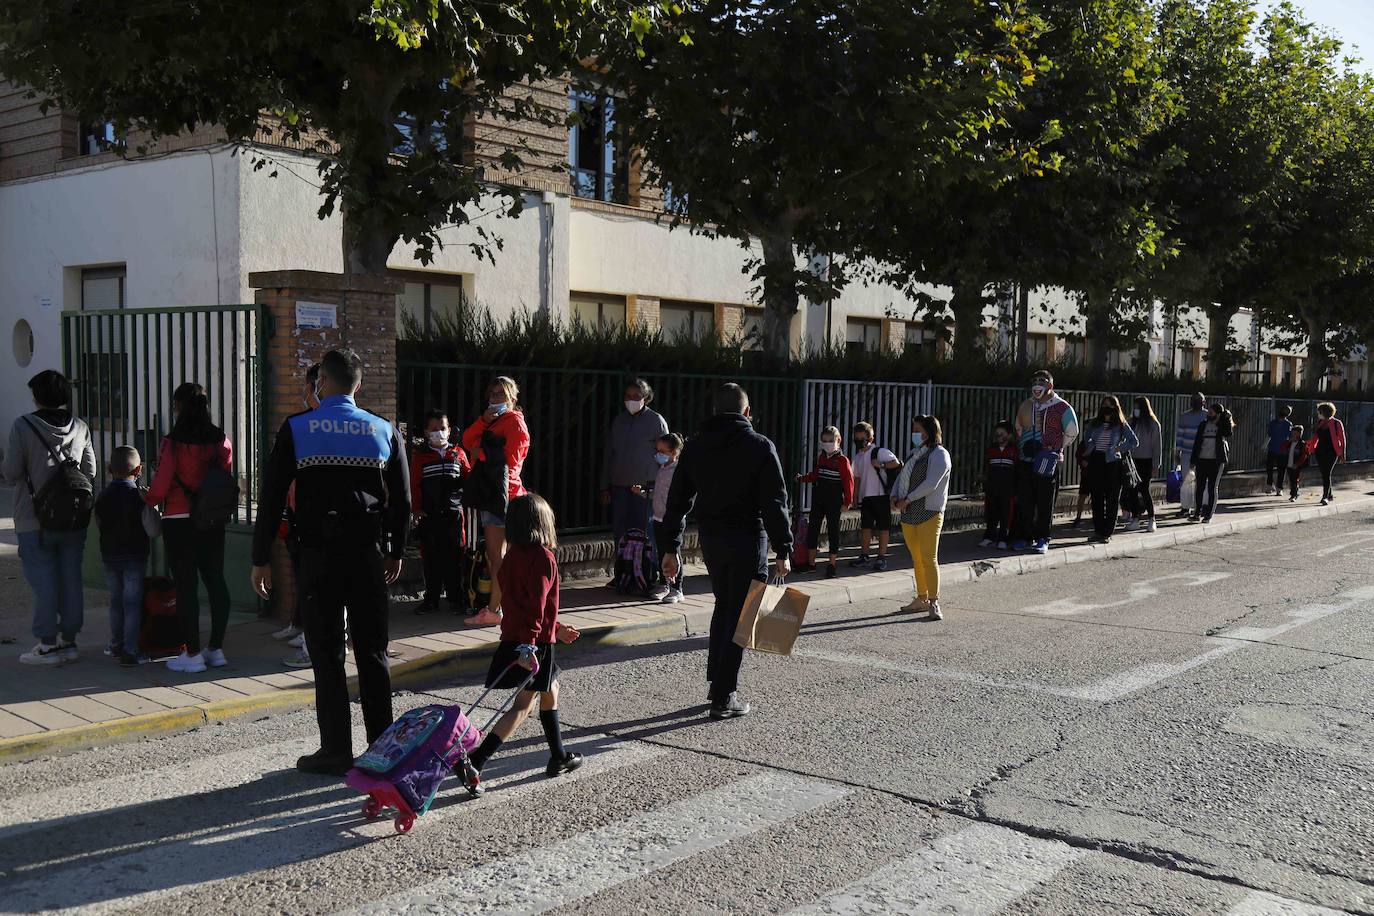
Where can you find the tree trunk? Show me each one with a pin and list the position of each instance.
(1318, 358)
(781, 300)
(1219, 315)
(366, 246)
(1022, 325)
(967, 306)
(1097, 333)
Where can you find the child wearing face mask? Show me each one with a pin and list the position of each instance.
(999, 486)
(667, 450)
(437, 470)
(834, 479)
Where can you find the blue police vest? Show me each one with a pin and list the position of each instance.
(340, 434)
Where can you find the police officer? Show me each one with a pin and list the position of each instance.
(352, 513)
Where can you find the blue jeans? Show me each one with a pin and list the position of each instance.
(52, 566)
(125, 580)
(629, 511)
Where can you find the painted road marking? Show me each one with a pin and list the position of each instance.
(588, 863)
(298, 832)
(1137, 591)
(973, 872)
(1123, 683)
(1339, 547)
(197, 776)
(1258, 903)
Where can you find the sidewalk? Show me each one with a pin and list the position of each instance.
(94, 701)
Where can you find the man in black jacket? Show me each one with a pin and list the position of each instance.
(732, 477)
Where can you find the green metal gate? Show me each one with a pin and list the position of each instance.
(125, 363)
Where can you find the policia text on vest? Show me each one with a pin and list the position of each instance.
(352, 515)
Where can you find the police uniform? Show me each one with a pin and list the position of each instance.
(352, 510)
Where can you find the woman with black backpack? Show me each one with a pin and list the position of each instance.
(51, 465)
(195, 480)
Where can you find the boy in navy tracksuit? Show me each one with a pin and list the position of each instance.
(437, 470)
(999, 486)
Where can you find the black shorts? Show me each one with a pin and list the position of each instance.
(509, 680)
(875, 512)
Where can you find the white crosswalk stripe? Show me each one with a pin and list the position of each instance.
(583, 865)
(300, 832)
(1259, 903)
(976, 871)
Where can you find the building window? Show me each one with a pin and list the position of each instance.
(597, 170)
(1038, 349)
(1121, 360)
(428, 305)
(922, 339)
(598, 312)
(1073, 350)
(686, 321)
(104, 365)
(103, 288)
(95, 137)
(412, 135)
(862, 335)
(1189, 362)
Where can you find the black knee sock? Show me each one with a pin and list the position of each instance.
(489, 744)
(553, 732)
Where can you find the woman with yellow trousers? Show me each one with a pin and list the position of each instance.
(919, 495)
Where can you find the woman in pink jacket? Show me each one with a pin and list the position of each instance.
(194, 446)
(1328, 444)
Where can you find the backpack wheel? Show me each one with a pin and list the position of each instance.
(372, 809)
(404, 822)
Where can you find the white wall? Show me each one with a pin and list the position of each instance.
(171, 220)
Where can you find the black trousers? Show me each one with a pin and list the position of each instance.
(1208, 474)
(1327, 462)
(196, 555)
(348, 571)
(1294, 478)
(828, 512)
(999, 505)
(1034, 503)
(441, 549)
(1104, 483)
(733, 560)
(1144, 467)
(1274, 468)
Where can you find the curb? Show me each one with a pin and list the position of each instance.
(447, 665)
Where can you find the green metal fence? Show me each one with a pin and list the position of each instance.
(125, 364)
(570, 410)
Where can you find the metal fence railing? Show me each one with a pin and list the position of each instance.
(889, 406)
(125, 363)
(570, 410)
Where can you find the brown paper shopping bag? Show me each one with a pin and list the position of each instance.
(772, 618)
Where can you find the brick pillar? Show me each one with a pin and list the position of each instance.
(643, 311)
(364, 314)
(893, 337)
(729, 321)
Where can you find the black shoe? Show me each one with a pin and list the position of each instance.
(805, 568)
(859, 562)
(565, 764)
(830, 571)
(128, 661)
(1193, 517)
(426, 608)
(880, 564)
(324, 763)
(732, 707)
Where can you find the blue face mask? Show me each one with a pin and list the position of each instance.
(917, 439)
(662, 458)
(500, 408)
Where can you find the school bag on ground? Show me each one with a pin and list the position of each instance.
(478, 576)
(159, 632)
(67, 498)
(405, 766)
(800, 554)
(635, 566)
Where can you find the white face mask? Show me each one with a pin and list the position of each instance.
(1136, 412)
(634, 407)
(438, 438)
(1038, 391)
(829, 448)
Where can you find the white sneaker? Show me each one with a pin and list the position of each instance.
(985, 542)
(41, 654)
(187, 664)
(1133, 525)
(300, 660)
(1150, 525)
(67, 650)
(111, 650)
(287, 632)
(673, 597)
(1002, 545)
(214, 658)
(297, 641)
(659, 593)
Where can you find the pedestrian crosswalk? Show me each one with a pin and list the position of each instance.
(209, 833)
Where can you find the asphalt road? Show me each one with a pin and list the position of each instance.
(1189, 731)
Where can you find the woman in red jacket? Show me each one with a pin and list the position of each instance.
(500, 430)
(195, 446)
(1328, 445)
